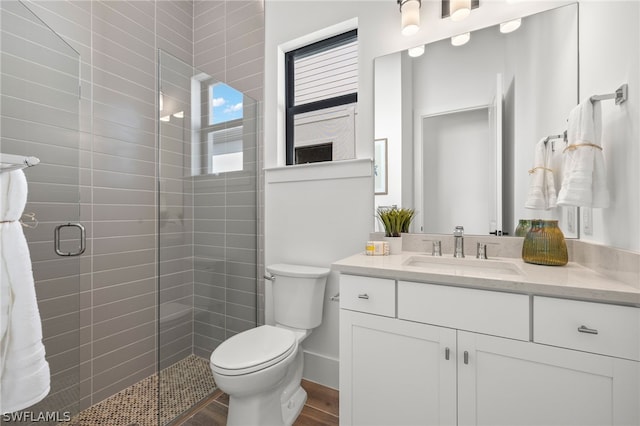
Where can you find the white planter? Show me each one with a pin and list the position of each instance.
(395, 244)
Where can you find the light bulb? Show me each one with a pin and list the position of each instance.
(460, 39)
(414, 52)
(459, 9)
(509, 26)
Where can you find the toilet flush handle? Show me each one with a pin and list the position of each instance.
(269, 277)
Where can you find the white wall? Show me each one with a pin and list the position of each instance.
(554, 89)
(609, 58)
(378, 25)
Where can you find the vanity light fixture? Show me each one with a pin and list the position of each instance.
(460, 39)
(165, 118)
(509, 26)
(410, 11)
(459, 9)
(414, 52)
(179, 114)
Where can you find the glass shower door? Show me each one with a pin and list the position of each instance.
(207, 230)
(39, 112)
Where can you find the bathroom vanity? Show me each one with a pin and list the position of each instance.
(444, 341)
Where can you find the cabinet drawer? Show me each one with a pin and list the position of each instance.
(370, 295)
(482, 311)
(587, 326)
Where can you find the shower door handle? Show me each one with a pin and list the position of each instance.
(83, 239)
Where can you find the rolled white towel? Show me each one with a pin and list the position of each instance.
(542, 188)
(24, 371)
(584, 181)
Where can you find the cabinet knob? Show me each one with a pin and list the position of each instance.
(363, 296)
(466, 357)
(447, 353)
(585, 329)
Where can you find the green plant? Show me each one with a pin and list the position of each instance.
(395, 220)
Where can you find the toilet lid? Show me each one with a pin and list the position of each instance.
(298, 271)
(253, 350)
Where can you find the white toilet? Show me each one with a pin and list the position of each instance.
(261, 369)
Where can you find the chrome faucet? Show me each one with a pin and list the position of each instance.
(458, 242)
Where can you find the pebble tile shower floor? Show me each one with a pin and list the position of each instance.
(182, 385)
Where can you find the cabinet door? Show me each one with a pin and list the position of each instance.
(508, 382)
(395, 372)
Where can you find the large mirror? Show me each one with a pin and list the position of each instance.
(461, 124)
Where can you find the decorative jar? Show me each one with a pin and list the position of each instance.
(395, 244)
(544, 244)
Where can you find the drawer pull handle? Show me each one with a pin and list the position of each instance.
(447, 353)
(363, 296)
(466, 357)
(584, 329)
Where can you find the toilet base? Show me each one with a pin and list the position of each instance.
(291, 409)
(260, 411)
(277, 406)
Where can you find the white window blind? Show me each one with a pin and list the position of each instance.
(326, 74)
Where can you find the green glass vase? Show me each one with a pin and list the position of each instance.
(523, 227)
(544, 244)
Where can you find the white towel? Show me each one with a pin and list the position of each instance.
(542, 187)
(584, 181)
(24, 372)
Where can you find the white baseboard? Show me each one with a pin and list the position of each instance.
(321, 369)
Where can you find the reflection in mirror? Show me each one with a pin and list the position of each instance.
(219, 126)
(462, 123)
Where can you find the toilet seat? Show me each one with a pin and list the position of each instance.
(253, 350)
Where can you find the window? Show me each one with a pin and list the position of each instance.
(224, 136)
(321, 99)
(219, 127)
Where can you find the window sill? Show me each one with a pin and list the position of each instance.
(327, 170)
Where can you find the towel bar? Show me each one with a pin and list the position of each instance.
(11, 162)
(619, 95)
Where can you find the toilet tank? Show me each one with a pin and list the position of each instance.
(298, 295)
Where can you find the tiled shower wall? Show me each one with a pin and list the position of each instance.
(175, 234)
(229, 46)
(118, 42)
(44, 123)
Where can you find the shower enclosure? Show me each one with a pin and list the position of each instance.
(40, 80)
(205, 238)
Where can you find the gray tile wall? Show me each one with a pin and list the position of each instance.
(123, 171)
(176, 212)
(225, 247)
(229, 46)
(39, 117)
(118, 42)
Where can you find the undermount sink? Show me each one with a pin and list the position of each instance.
(463, 266)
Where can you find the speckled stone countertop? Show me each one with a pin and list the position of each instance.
(572, 281)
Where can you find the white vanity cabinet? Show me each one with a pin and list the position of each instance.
(444, 355)
(395, 372)
(509, 382)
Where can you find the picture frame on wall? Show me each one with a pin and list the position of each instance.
(380, 167)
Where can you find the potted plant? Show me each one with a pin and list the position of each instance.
(395, 221)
